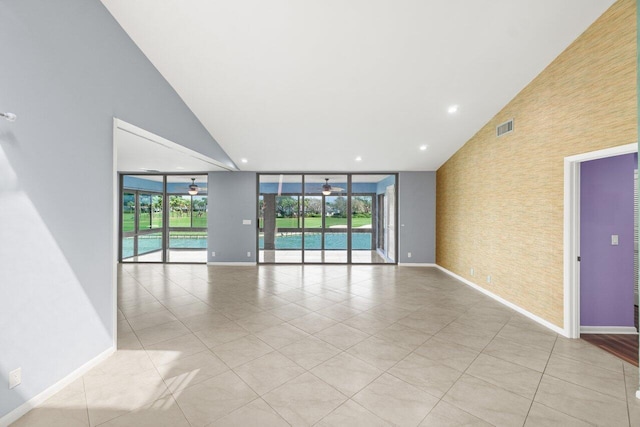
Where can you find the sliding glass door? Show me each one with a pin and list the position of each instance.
(327, 218)
(161, 221)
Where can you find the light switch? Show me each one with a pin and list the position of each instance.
(246, 222)
(614, 240)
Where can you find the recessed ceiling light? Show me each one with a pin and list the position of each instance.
(452, 109)
(179, 168)
(358, 159)
(423, 147)
(244, 160)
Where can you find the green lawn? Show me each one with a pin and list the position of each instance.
(128, 221)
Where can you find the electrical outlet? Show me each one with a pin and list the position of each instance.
(472, 272)
(15, 378)
(408, 254)
(213, 253)
(248, 254)
(489, 279)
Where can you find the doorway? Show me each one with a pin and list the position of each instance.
(600, 249)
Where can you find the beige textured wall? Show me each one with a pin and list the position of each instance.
(500, 200)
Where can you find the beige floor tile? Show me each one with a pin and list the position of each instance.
(304, 400)
(281, 335)
(174, 349)
(346, 373)
(425, 374)
(353, 415)
(111, 395)
(190, 370)
(510, 376)
(123, 362)
(339, 312)
(396, 401)
(587, 353)
(543, 416)
(454, 355)
(254, 414)
(447, 415)
(68, 407)
(530, 357)
(309, 352)
(582, 403)
(161, 413)
(368, 323)
(128, 341)
(538, 338)
(488, 402)
(380, 353)
(289, 312)
(193, 309)
(470, 338)
(268, 372)
(241, 351)
(214, 398)
(259, 321)
(159, 333)
(587, 375)
(403, 336)
(199, 322)
(222, 333)
(312, 323)
(151, 319)
(341, 336)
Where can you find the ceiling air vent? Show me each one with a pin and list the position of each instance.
(505, 127)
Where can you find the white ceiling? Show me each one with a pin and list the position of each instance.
(298, 85)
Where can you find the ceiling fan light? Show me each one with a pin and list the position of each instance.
(326, 188)
(193, 188)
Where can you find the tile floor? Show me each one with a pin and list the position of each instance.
(334, 346)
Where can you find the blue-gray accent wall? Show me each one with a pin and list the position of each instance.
(232, 199)
(68, 69)
(417, 217)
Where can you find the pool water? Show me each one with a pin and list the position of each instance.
(154, 243)
(359, 241)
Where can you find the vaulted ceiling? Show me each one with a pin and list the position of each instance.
(308, 85)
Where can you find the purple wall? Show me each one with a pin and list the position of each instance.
(606, 271)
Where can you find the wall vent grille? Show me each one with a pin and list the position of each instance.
(505, 127)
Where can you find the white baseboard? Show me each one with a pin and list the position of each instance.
(628, 330)
(509, 304)
(21, 410)
(236, 264)
(416, 264)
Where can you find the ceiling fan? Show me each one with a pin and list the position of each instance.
(327, 188)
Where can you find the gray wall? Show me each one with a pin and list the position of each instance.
(232, 198)
(67, 70)
(417, 217)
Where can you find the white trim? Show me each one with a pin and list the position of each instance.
(21, 410)
(128, 127)
(627, 330)
(237, 264)
(501, 300)
(116, 232)
(416, 264)
(571, 234)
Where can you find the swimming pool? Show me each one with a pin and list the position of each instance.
(154, 243)
(359, 241)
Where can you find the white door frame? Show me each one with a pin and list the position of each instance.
(572, 232)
